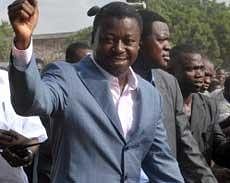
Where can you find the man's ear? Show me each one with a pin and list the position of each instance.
(140, 43)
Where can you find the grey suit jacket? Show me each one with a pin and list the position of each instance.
(206, 130)
(191, 162)
(89, 144)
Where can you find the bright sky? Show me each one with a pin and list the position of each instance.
(61, 15)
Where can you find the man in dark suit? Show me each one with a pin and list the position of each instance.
(153, 57)
(202, 111)
(100, 108)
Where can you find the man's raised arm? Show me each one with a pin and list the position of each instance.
(23, 17)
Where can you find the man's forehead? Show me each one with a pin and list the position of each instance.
(192, 59)
(160, 28)
(209, 66)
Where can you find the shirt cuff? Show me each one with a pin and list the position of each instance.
(21, 58)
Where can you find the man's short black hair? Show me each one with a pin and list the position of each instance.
(148, 17)
(40, 61)
(178, 50)
(71, 49)
(118, 10)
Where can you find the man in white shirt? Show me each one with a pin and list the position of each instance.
(30, 127)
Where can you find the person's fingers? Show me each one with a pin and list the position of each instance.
(6, 132)
(12, 158)
(22, 10)
(29, 155)
(33, 2)
(5, 138)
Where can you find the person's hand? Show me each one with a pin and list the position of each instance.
(6, 138)
(17, 157)
(23, 15)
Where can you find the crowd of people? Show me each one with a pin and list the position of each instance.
(127, 109)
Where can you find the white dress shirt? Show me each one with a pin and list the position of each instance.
(31, 127)
(124, 101)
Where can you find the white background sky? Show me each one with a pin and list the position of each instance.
(61, 15)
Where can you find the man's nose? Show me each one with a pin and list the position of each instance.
(167, 45)
(199, 73)
(119, 46)
(207, 80)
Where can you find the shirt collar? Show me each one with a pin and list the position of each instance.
(132, 78)
(152, 77)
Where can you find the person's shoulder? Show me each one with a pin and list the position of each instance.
(163, 74)
(207, 99)
(146, 86)
(59, 66)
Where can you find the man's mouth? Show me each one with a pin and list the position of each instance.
(166, 57)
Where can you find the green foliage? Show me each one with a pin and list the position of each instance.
(202, 22)
(5, 40)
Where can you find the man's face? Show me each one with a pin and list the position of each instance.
(190, 72)
(220, 75)
(156, 46)
(116, 44)
(208, 74)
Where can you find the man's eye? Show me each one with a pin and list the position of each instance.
(130, 41)
(189, 68)
(108, 40)
(161, 40)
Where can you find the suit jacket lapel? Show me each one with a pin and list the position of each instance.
(140, 119)
(94, 80)
(198, 112)
(157, 81)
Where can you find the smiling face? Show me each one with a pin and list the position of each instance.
(116, 44)
(156, 46)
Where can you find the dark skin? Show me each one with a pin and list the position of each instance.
(155, 47)
(209, 73)
(220, 75)
(16, 156)
(116, 44)
(116, 41)
(189, 71)
(23, 15)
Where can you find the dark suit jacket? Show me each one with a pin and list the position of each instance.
(184, 147)
(89, 142)
(207, 132)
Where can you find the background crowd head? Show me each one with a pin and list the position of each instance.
(155, 45)
(76, 51)
(188, 67)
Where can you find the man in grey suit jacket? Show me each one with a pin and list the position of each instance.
(153, 55)
(202, 111)
(104, 131)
